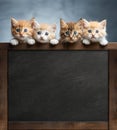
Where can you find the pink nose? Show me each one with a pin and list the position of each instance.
(21, 35)
(41, 38)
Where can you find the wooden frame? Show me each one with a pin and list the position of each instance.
(100, 125)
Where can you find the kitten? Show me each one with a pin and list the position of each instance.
(22, 31)
(70, 32)
(94, 31)
(45, 33)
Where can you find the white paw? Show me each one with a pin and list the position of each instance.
(86, 42)
(31, 41)
(14, 42)
(54, 41)
(104, 42)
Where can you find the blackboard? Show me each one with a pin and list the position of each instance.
(58, 85)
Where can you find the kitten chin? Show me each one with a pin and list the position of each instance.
(42, 41)
(68, 41)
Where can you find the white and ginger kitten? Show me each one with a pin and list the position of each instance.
(45, 33)
(22, 31)
(94, 31)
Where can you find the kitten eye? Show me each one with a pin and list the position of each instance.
(97, 31)
(75, 33)
(89, 31)
(39, 33)
(18, 30)
(46, 33)
(25, 30)
(67, 33)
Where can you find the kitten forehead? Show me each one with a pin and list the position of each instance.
(24, 23)
(94, 24)
(45, 27)
(71, 25)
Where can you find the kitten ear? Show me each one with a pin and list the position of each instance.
(53, 27)
(35, 24)
(85, 23)
(79, 22)
(32, 21)
(63, 23)
(14, 22)
(103, 24)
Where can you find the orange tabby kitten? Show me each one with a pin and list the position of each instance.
(70, 32)
(45, 33)
(22, 31)
(94, 31)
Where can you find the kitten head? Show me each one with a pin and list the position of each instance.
(43, 33)
(21, 29)
(70, 32)
(94, 30)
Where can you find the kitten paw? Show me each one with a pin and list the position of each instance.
(14, 42)
(104, 42)
(54, 41)
(31, 41)
(86, 42)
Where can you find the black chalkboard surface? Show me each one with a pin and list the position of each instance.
(58, 85)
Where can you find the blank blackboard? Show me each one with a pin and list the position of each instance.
(58, 85)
